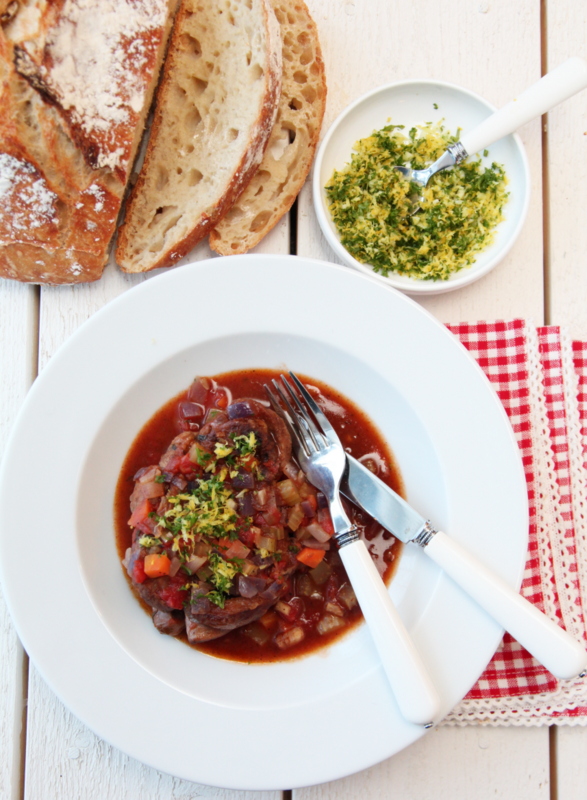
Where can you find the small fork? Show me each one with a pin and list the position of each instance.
(323, 460)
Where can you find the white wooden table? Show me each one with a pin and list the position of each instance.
(495, 48)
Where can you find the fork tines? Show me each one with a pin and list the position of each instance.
(303, 423)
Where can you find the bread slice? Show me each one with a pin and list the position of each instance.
(294, 138)
(214, 114)
(70, 124)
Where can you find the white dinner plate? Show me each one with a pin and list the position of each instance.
(235, 725)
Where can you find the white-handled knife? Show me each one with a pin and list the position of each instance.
(545, 640)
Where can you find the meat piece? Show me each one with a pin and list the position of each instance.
(237, 611)
(274, 443)
(169, 622)
(197, 632)
(179, 446)
(160, 594)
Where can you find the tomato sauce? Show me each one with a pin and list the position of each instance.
(314, 593)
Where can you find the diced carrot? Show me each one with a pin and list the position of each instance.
(157, 565)
(310, 557)
(140, 514)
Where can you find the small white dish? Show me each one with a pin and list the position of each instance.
(413, 103)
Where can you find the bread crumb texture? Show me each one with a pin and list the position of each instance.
(294, 138)
(214, 115)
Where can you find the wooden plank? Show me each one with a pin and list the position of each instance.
(571, 773)
(492, 49)
(567, 176)
(452, 764)
(64, 758)
(18, 334)
(566, 137)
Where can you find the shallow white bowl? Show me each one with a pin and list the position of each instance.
(219, 722)
(412, 103)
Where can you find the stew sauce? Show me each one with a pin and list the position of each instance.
(319, 600)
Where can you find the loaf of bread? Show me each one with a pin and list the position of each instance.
(214, 114)
(294, 138)
(76, 82)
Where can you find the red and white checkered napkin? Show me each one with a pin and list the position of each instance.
(541, 378)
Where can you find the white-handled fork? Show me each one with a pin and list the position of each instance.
(322, 458)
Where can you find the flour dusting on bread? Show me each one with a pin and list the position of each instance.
(76, 82)
(94, 62)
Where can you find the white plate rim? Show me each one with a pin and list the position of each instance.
(119, 679)
(403, 283)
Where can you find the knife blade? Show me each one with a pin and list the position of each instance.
(367, 491)
(544, 639)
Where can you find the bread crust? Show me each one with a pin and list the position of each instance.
(165, 219)
(58, 211)
(294, 138)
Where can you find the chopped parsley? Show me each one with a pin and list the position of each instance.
(370, 204)
(206, 512)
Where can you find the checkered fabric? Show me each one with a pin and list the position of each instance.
(500, 349)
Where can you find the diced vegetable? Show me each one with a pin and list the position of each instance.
(189, 410)
(267, 543)
(329, 623)
(316, 530)
(289, 638)
(157, 565)
(295, 517)
(199, 390)
(257, 633)
(285, 610)
(334, 608)
(194, 564)
(305, 585)
(321, 573)
(237, 550)
(309, 557)
(138, 571)
(269, 620)
(140, 514)
(288, 492)
(347, 596)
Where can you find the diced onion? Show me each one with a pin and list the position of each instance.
(245, 505)
(244, 480)
(315, 544)
(198, 391)
(250, 587)
(289, 638)
(308, 508)
(334, 608)
(239, 410)
(194, 564)
(317, 531)
(189, 410)
(174, 566)
(329, 623)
